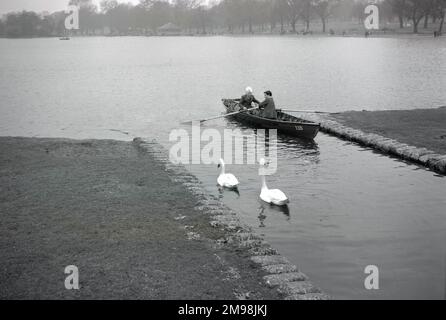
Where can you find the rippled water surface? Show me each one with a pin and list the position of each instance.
(350, 207)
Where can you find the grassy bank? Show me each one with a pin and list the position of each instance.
(423, 128)
(109, 208)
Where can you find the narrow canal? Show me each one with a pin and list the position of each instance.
(350, 208)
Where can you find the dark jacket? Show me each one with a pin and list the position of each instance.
(247, 100)
(269, 108)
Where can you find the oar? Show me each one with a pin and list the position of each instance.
(310, 111)
(221, 116)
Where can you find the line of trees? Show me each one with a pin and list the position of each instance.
(231, 16)
(417, 10)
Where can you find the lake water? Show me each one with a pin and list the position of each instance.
(350, 207)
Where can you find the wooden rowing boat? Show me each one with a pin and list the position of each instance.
(284, 123)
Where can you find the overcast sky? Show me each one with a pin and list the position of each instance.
(40, 5)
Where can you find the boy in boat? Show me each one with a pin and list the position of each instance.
(268, 106)
(247, 99)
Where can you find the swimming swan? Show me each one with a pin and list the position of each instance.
(226, 180)
(271, 196)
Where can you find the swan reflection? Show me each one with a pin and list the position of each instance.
(223, 190)
(285, 210)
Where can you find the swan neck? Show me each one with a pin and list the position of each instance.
(264, 182)
(222, 167)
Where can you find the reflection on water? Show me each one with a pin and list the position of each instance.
(296, 148)
(349, 208)
(262, 217)
(285, 210)
(222, 190)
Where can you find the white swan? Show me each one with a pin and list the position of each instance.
(226, 180)
(272, 196)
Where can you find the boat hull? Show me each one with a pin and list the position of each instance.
(286, 124)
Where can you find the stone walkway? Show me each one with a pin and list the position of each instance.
(420, 155)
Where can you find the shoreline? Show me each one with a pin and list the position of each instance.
(136, 226)
(312, 35)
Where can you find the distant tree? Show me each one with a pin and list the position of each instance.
(107, 5)
(272, 14)
(417, 9)
(58, 23)
(231, 10)
(440, 6)
(182, 12)
(400, 8)
(23, 24)
(294, 8)
(248, 7)
(159, 14)
(358, 12)
(262, 13)
(324, 9)
(306, 12)
(429, 9)
(201, 18)
(46, 25)
(386, 11)
(119, 18)
(280, 8)
(344, 10)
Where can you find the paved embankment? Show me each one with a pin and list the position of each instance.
(135, 226)
(414, 135)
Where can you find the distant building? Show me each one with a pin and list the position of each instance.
(169, 29)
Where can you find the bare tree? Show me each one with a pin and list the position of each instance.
(107, 5)
(399, 8)
(323, 8)
(281, 8)
(441, 8)
(417, 9)
(294, 8)
(306, 6)
(429, 8)
(183, 13)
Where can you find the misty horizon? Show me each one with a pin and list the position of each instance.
(51, 6)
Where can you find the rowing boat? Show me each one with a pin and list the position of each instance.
(284, 123)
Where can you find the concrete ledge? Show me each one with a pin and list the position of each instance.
(423, 156)
(270, 260)
(280, 272)
(263, 250)
(298, 287)
(276, 280)
(309, 296)
(280, 268)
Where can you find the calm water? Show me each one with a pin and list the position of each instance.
(350, 206)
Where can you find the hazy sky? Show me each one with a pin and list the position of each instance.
(40, 5)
